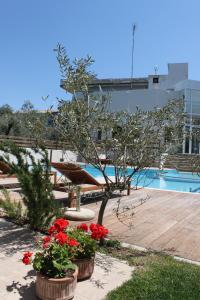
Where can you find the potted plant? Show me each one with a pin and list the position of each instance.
(56, 274)
(84, 254)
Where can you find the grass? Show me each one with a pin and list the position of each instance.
(157, 277)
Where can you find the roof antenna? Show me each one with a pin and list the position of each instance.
(156, 69)
(133, 47)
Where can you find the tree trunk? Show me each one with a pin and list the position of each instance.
(103, 206)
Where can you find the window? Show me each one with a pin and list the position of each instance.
(99, 134)
(155, 80)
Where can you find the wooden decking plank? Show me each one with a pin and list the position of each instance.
(168, 220)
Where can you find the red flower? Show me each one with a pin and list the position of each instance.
(26, 259)
(28, 254)
(45, 245)
(83, 227)
(46, 239)
(60, 224)
(72, 243)
(93, 227)
(61, 238)
(98, 231)
(105, 231)
(51, 230)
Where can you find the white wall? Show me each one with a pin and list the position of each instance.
(68, 156)
(188, 84)
(144, 99)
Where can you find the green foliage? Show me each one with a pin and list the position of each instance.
(27, 122)
(34, 124)
(9, 124)
(54, 261)
(37, 189)
(163, 278)
(76, 71)
(87, 246)
(12, 208)
(112, 244)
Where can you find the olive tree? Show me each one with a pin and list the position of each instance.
(8, 121)
(131, 141)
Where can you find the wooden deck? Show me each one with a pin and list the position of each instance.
(167, 221)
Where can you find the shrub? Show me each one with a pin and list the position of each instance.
(12, 208)
(37, 189)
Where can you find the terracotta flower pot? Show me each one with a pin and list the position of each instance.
(85, 267)
(56, 288)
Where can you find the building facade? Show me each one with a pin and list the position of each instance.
(155, 91)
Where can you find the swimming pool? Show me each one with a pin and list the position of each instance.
(153, 178)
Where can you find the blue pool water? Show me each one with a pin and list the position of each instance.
(153, 178)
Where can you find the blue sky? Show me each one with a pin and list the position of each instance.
(167, 31)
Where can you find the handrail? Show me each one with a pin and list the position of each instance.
(32, 142)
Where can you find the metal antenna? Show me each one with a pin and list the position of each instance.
(156, 69)
(133, 46)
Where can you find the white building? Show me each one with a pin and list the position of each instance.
(156, 90)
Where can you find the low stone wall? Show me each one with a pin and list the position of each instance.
(183, 162)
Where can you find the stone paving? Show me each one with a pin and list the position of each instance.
(17, 280)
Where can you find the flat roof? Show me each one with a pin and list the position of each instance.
(116, 82)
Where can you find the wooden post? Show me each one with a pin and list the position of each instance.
(72, 199)
(78, 198)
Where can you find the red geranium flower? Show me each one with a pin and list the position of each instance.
(72, 243)
(61, 237)
(60, 224)
(83, 227)
(28, 254)
(26, 259)
(46, 239)
(51, 230)
(93, 227)
(105, 231)
(98, 231)
(45, 245)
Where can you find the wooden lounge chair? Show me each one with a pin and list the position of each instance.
(80, 177)
(76, 174)
(9, 183)
(5, 170)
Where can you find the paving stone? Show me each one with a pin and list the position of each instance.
(17, 281)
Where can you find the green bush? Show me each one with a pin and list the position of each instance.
(34, 178)
(12, 209)
(112, 244)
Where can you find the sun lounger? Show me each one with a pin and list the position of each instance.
(75, 174)
(5, 171)
(4, 168)
(79, 176)
(9, 183)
